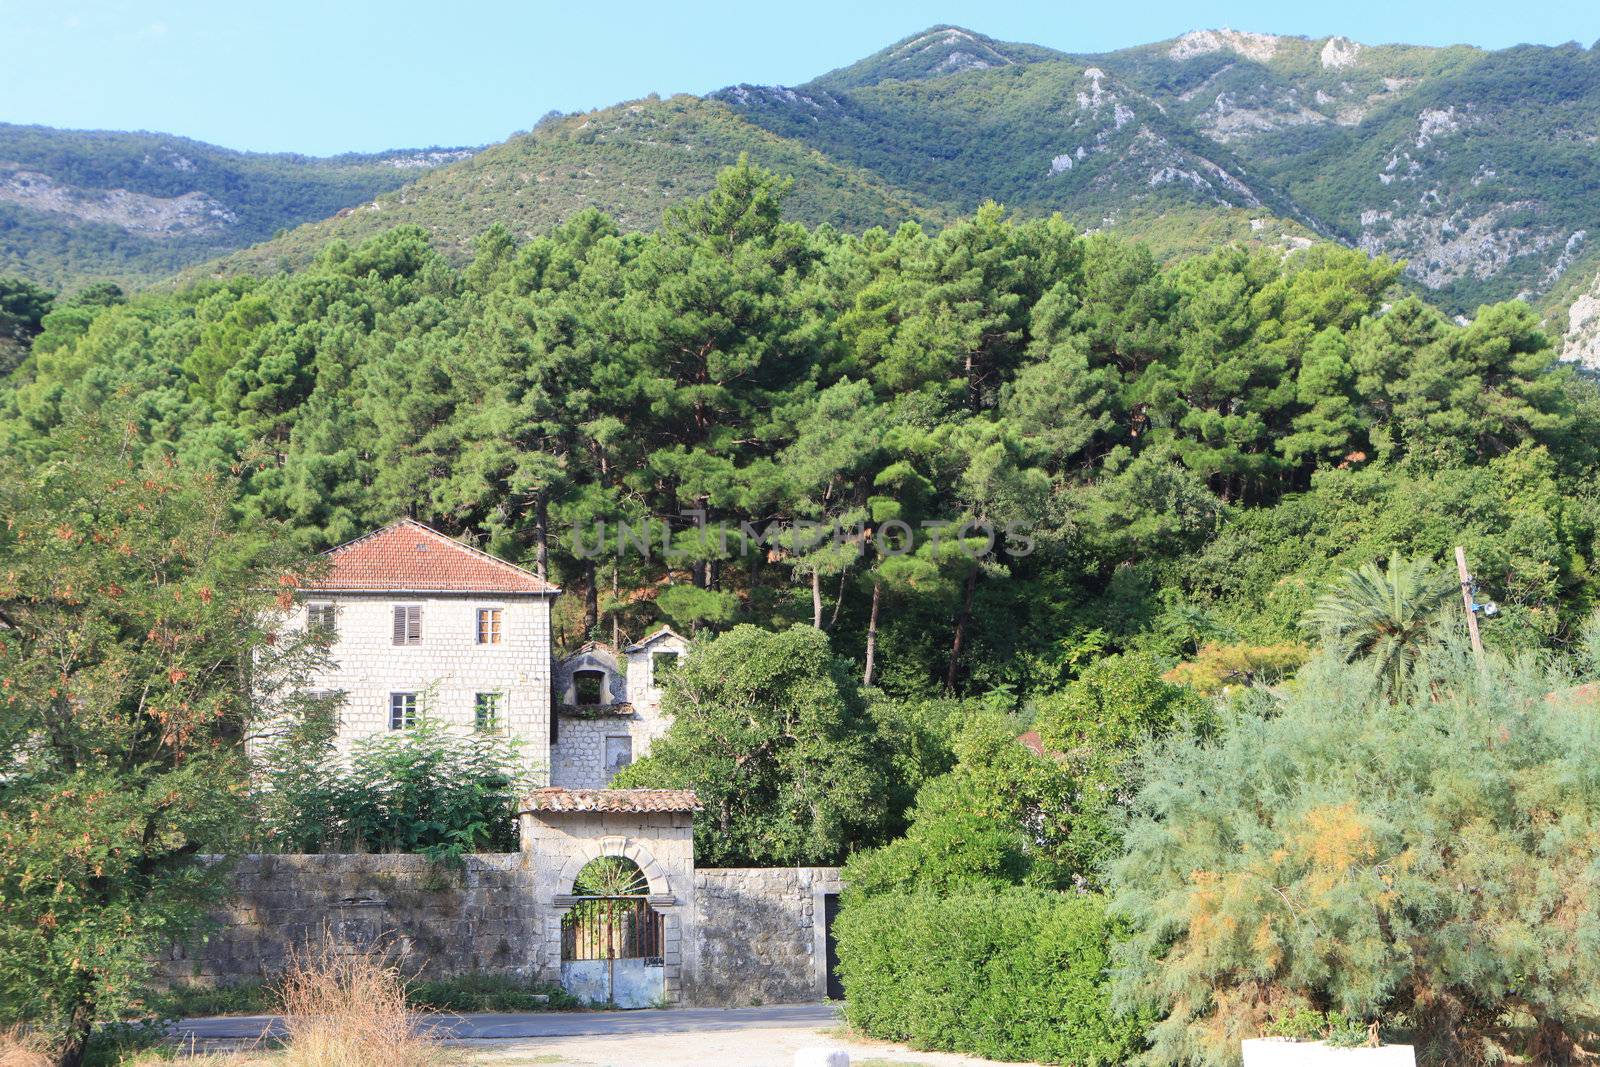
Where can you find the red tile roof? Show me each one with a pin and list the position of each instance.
(406, 556)
(606, 800)
(645, 642)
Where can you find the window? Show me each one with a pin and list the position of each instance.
(662, 664)
(486, 711)
(589, 687)
(402, 711)
(488, 626)
(619, 753)
(408, 624)
(322, 618)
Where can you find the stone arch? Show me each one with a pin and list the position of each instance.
(654, 873)
(597, 658)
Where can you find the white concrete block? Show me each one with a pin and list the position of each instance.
(821, 1057)
(1282, 1052)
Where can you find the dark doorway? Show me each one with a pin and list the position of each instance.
(830, 912)
(588, 687)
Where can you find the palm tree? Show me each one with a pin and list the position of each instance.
(1389, 615)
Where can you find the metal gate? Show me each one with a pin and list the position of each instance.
(612, 952)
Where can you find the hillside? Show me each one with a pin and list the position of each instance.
(631, 160)
(89, 205)
(1478, 168)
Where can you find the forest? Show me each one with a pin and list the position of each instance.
(1195, 448)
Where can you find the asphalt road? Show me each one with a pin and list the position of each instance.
(510, 1027)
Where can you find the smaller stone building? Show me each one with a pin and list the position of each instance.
(608, 707)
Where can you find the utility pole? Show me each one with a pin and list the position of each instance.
(1466, 602)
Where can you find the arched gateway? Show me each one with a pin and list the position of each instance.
(617, 879)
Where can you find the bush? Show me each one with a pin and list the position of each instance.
(1098, 726)
(186, 1000)
(1430, 865)
(1000, 817)
(1017, 974)
(463, 993)
(24, 1048)
(429, 790)
(771, 730)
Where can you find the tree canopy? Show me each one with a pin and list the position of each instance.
(1026, 445)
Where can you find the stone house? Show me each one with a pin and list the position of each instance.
(604, 896)
(423, 625)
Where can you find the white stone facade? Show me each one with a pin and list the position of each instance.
(579, 755)
(447, 668)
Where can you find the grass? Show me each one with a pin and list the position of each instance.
(488, 992)
(339, 1010)
(188, 1001)
(464, 993)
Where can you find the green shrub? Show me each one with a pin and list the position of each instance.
(428, 790)
(998, 818)
(487, 992)
(463, 993)
(1430, 864)
(772, 732)
(1017, 974)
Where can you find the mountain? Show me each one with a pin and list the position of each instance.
(631, 160)
(923, 130)
(88, 205)
(1481, 169)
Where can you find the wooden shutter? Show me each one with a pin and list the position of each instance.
(408, 624)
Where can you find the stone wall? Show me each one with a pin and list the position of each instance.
(735, 936)
(445, 921)
(760, 938)
(578, 757)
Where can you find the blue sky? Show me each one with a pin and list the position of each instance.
(324, 76)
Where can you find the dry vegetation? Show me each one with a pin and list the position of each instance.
(349, 1011)
(23, 1048)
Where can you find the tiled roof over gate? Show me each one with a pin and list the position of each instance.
(406, 556)
(611, 800)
